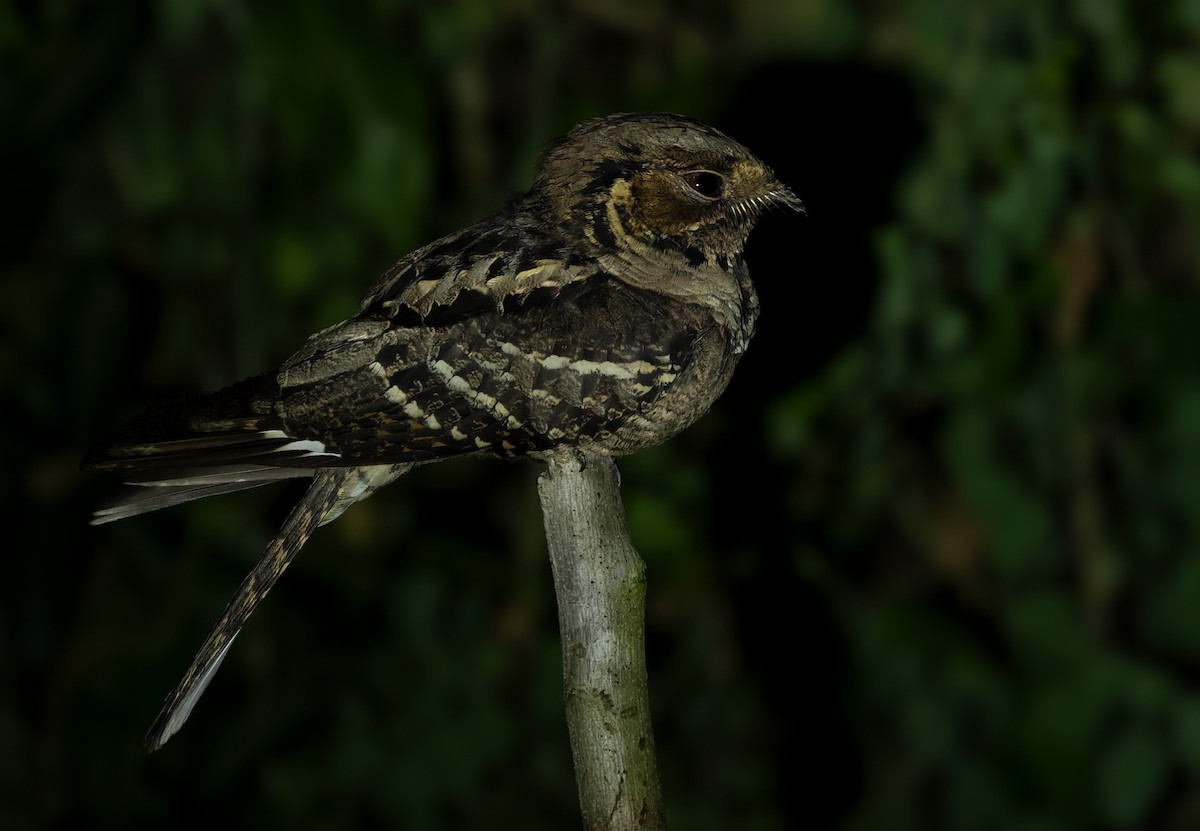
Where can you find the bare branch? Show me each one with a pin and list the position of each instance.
(600, 582)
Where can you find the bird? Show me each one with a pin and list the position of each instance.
(599, 313)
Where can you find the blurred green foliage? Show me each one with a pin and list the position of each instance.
(932, 563)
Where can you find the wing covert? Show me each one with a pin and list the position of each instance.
(555, 365)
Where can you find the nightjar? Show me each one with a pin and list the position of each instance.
(601, 312)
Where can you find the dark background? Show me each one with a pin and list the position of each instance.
(931, 563)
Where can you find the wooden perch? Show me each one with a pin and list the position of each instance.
(600, 583)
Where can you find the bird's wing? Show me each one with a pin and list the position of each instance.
(567, 363)
(204, 445)
(442, 360)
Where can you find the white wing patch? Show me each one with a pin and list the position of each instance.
(308, 447)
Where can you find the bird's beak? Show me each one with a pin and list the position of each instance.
(784, 197)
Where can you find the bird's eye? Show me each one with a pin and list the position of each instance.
(706, 183)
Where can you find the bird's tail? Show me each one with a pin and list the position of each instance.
(226, 441)
(332, 491)
(296, 530)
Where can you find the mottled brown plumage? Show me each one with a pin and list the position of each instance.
(599, 313)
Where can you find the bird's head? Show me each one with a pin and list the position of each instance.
(659, 181)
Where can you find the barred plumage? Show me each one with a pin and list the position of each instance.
(599, 313)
